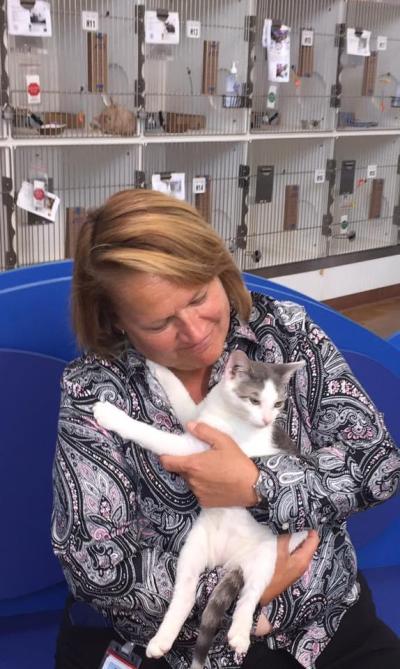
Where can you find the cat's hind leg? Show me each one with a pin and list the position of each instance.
(257, 573)
(191, 562)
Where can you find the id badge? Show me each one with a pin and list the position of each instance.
(120, 657)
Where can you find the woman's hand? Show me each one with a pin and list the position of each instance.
(290, 566)
(221, 476)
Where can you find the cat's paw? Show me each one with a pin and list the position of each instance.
(107, 415)
(238, 641)
(158, 646)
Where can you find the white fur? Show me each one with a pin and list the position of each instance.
(221, 536)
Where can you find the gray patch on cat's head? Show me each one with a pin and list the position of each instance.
(252, 375)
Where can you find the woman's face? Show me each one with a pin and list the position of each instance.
(183, 328)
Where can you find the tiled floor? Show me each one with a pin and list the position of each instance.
(381, 317)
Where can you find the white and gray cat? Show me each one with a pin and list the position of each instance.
(244, 405)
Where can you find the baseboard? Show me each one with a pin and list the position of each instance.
(367, 296)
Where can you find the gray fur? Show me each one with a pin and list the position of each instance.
(282, 440)
(252, 378)
(222, 597)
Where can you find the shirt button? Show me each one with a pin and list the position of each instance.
(285, 526)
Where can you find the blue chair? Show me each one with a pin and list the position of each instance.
(395, 340)
(36, 340)
(377, 366)
(34, 315)
(32, 588)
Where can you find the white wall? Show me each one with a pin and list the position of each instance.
(326, 284)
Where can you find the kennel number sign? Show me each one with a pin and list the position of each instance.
(90, 21)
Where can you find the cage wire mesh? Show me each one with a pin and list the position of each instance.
(209, 173)
(288, 198)
(363, 218)
(303, 103)
(3, 78)
(82, 180)
(76, 82)
(187, 83)
(371, 84)
(184, 85)
(6, 232)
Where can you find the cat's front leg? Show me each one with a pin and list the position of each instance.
(112, 418)
(154, 440)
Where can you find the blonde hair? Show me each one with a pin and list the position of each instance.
(144, 231)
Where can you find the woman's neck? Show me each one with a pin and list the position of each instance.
(195, 381)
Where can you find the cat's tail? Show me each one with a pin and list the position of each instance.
(221, 599)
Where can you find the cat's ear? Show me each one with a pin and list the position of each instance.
(107, 100)
(286, 370)
(238, 363)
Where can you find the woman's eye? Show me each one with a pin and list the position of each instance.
(200, 299)
(158, 328)
(279, 404)
(253, 400)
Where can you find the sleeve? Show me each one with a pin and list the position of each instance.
(106, 555)
(351, 462)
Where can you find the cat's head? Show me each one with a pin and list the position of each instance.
(256, 391)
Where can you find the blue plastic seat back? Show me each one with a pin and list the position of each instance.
(345, 333)
(377, 366)
(34, 316)
(34, 310)
(29, 397)
(376, 534)
(394, 340)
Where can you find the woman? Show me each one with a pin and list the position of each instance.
(152, 281)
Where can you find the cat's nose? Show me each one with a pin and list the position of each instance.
(267, 420)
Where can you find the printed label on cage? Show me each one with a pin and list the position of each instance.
(344, 224)
(199, 185)
(381, 43)
(34, 21)
(193, 29)
(307, 37)
(34, 198)
(276, 39)
(33, 88)
(90, 21)
(358, 42)
(161, 27)
(271, 97)
(372, 171)
(38, 194)
(170, 184)
(319, 176)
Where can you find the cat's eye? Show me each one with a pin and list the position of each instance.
(278, 404)
(254, 400)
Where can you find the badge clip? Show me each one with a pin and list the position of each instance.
(120, 656)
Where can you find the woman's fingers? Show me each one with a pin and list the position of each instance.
(290, 566)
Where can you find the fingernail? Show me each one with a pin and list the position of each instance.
(191, 425)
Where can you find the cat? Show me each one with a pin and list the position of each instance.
(244, 404)
(115, 120)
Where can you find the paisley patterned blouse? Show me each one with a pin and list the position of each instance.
(120, 519)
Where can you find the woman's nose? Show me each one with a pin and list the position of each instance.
(191, 330)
